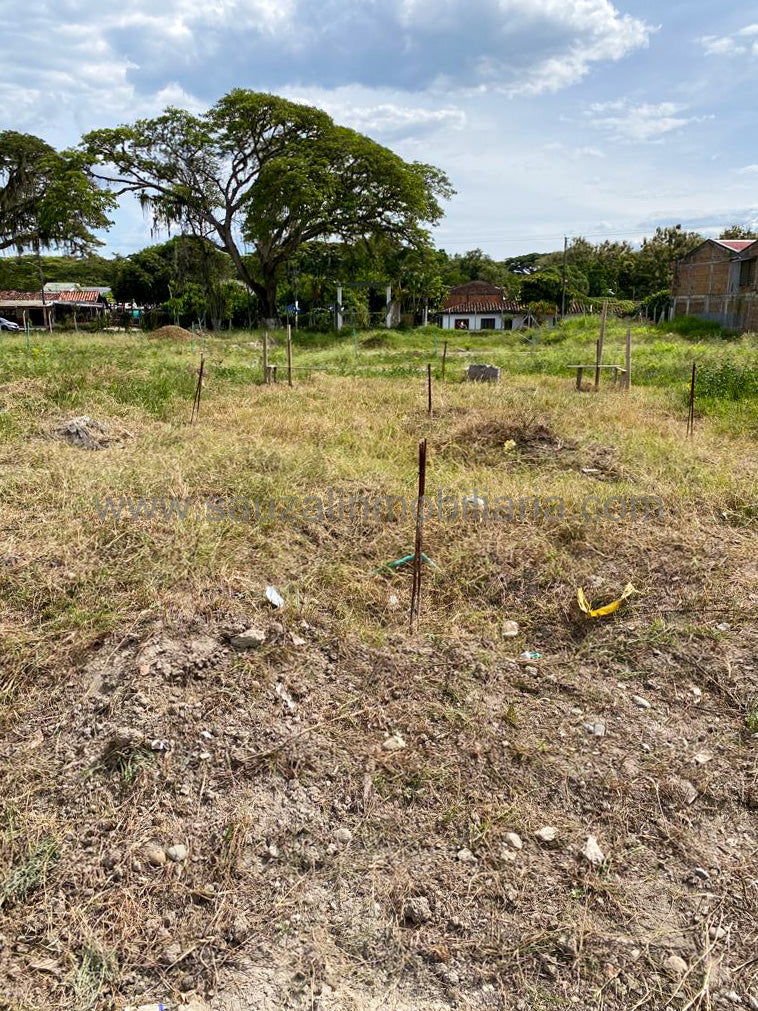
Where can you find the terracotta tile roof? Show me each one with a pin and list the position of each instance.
(76, 296)
(481, 303)
(470, 289)
(21, 296)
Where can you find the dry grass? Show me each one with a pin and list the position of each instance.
(125, 623)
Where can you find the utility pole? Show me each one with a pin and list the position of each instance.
(563, 277)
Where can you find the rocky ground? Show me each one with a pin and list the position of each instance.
(258, 815)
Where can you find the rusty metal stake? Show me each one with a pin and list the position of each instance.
(198, 392)
(419, 545)
(691, 413)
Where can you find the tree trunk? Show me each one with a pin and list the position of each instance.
(269, 284)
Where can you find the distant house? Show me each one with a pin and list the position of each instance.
(718, 280)
(479, 305)
(39, 307)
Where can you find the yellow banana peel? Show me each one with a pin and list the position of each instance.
(601, 612)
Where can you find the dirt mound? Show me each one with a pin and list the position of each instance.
(377, 341)
(491, 441)
(84, 433)
(171, 333)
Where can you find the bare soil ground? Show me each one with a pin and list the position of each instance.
(348, 815)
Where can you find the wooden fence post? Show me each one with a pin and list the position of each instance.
(444, 356)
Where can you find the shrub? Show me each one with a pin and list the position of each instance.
(695, 328)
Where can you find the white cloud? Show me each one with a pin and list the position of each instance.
(111, 59)
(736, 44)
(641, 123)
(748, 170)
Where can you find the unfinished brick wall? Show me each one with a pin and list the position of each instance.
(704, 272)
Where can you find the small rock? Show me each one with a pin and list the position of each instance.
(251, 638)
(701, 873)
(675, 966)
(154, 854)
(483, 373)
(514, 840)
(508, 855)
(640, 702)
(177, 852)
(723, 626)
(509, 629)
(702, 757)
(733, 997)
(394, 743)
(272, 851)
(466, 856)
(417, 910)
(679, 791)
(546, 834)
(716, 933)
(596, 729)
(297, 640)
(343, 836)
(274, 597)
(592, 852)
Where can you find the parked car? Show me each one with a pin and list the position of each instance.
(6, 324)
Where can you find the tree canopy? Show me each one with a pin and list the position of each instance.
(48, 200)
(257, 169)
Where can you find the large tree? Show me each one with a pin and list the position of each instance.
(257, 169)
(48, 200)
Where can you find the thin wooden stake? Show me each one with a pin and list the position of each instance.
(600, 343)
(419, 544)
(76, 327)
(444, 356)
(289, 354)
(198, 392)
(597, 365)
(265, 356)
(628, 359)
(691, 413)
(429, 387)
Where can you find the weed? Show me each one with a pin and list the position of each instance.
(27, 873)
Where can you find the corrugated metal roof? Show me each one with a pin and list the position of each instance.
(737, 245)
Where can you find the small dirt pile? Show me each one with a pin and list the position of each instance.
(171, 333)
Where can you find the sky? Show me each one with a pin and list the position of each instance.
(551, 117)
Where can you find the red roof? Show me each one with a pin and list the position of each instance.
(22, 296)
(735, 244)
(482, 303)
(74, 296)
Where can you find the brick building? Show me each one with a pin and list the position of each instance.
(718, 280)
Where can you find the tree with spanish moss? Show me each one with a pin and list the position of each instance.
(257, 169)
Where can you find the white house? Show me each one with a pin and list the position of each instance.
(479, 305)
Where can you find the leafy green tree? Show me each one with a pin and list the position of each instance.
(144, 277)
(738, 232)
(654, 260)
(544, 286)
(272, 172)
(47, 199)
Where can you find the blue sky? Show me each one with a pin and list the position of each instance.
(551, 117)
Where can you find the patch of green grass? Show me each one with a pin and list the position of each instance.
(751, 718)
(27, 873)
